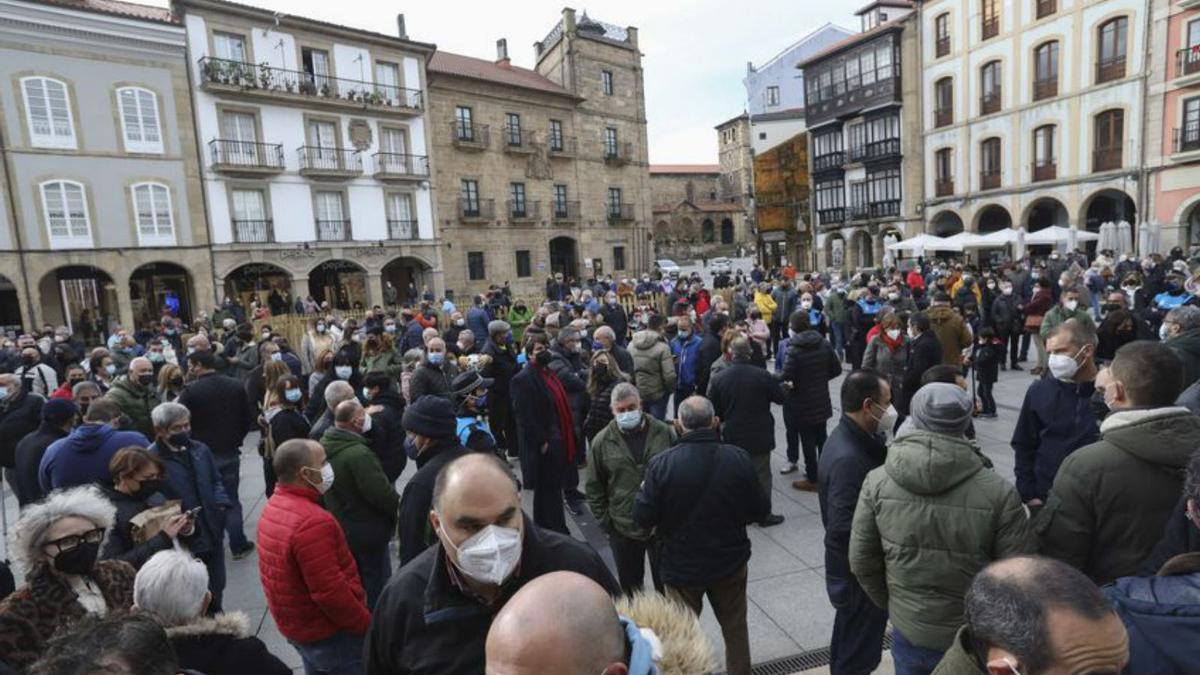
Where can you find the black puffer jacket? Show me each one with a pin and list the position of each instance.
(120, 544)
(809, 366)
(20, 414)
(600, 412)
(387, 433)
(742, 395)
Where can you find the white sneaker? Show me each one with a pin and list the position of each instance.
(790, 468)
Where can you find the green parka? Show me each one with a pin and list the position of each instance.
(926, 522)
(136, 402)
(653, 366)
(362, 498)
(614, 477)
(387, 361)
(517, 321)
(959, 659)
(1058, 315)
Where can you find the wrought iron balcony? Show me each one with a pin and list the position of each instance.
(858, 212)
(1106, 159)
(943, 117)
(1187, 139)
(1045, 170)
(942, 46)
(618, 153)
(403, 229)
(886, 209)
(1187, 61)
(857, 152)
(888, 147)
(831, 216)
(943, 187)
(990, 28)
(395, 166)
(619, 213)
(253, 231)
(518, 141)
(1046, 7)
(1112, 69)
(566, 212)
(562, 146)
(467, 136)
(523, 210)
(832, 160)
(476, 209)
(261, 80)
(246, 157)
(1043, 89)
(989, 180)
(333, 230)
(319, 162)
(990, 102)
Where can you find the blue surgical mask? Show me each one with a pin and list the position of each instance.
(628, 421)
(3, 393)
(343, 372)
(597, 346)
(481, 400)
(292, 395)
(436, 358)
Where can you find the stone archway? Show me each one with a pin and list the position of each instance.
(1044, 212)
(946, 223)
(726, 231)
(564, 257)
(341, 283)
(408, 277)
(835, 251)
(161, 287)
(82, 297)
(993, 218)
(708, 231)
(1108, 205)
(10, 306)
(257, 282)
(862, 251)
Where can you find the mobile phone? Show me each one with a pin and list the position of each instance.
(191, 513)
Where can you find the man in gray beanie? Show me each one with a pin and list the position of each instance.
(927, 521)
(430, 426)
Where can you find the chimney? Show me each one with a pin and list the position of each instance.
(631, 36)
(568, 20)
(400, 30)
(502, 52)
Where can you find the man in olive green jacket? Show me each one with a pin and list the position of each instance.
(1106, 509)
(135, 393)
(927, 521)
(1068, 307)
(653, 367)
(617, 465)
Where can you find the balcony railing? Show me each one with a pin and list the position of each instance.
(318, 161)
(470, 136)
(333, 230)
(261, 79)
(1046, 7)
(990, 102)
(246, 156)
(395, 166)
(1106, 159)
(619, 213)
(857, 152)
(990, 28)
(403, 229)
(1112, 69)
(1187, 139)
(253, 231)
(858, 212)
(518, 141)
(888, 147)
(989, 180)
(476, 209)
(1045, 88)
(832, 160)
(944, 187)
(942, 47)
(830, 216)
(619, 153)
(1187, 61)
(1045, 170)
(888, 209)
(943, 117)
(566, 212)
(562, 146)
(524, 209)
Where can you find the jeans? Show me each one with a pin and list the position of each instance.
(374, 569)
(911, 659)
(837, 331)
(229, 466)
(858, 627)
(658, 409)
(214, 562)
(728, 600)
(812, 439)
(630, 557)
(762, 467)
(337, 655)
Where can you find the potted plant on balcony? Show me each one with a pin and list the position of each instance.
(265, 76)
(289, 84)
(325, 90)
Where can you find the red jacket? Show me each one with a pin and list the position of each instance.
(915, 280)
(307, 572)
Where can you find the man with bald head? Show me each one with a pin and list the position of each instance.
(135, 393)
(434, 614)
(435, 373)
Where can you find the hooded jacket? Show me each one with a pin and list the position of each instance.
(1056, 419)
(614, 476)
(1110, 499)
(20, 414)
(223, 645)
(1186, 346)
(653, 367)
(83, 457)
(362, 498)
(413, 532)
(926, 522)
(29, 455)
(1162, 618)
(685, 649)
(952, 333)
(687, 352)
(135, 401)
(809, 366)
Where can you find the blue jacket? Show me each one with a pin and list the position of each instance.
(689, 355)
(477, 321)
(411, 339)
(1162, 618)
(1056, 419)
(192, 478)
(83, 457)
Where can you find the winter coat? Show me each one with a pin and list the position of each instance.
(46, 605)
(388, 361)
(952, 332)
(835, 307)
(362, 498)
(766, 304)
(809, 366)
(687, 358)
(1110, 499)
(517, 321)
(786, 300)
(20, 414)
(1179, 536)
(221, 413)
(1004, 316)
(306, 569)
(890, 363)
(412, 529)
(1056, 419)
(624, 360)
(741, 396)
(685, 649)
(986, 360)
(708, 353)
(433, 380)
(1186, 346)
(1058, 315)
(924, 352)
(386, 438)
(849, 454)
(1162, 618)
(960, 658)
(699, 496)
(136, 402)
(614, 476)
(191, 476)
(615, 318)
(312, 344)
(537, 424)
(120, 544)
(223, 645)
(425, 625)
(30, 451)
(83, 456)
(926, 522)
(39, 379)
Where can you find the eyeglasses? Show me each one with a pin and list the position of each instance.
(72, 540)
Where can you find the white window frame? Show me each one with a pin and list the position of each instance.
(70, 241)
(141, 144)
(158, 238)
(52, 139)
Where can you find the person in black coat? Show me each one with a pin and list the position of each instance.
(710, 350)
(136, 486)
(742, 395)
(386, 437)
(282, 421)
(500, 369)
(808, 367)
(615, 318)
(20, 414)
(345, 367)
(431, 421)
(855, 447)
(58, 417)
(1007, 320)
(924, 352)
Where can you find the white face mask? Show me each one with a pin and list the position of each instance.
(1164, 332)
(887, 420)
(366, 424)
(1071, 305)
(326, 478)
(806, 304)
(893, 333)
(489, 556)
(1064, 367)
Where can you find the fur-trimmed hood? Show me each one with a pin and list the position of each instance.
(685, 650)
(231, 624)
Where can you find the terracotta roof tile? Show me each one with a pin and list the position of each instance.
(118, 8)
(446, 63)
(685, 168)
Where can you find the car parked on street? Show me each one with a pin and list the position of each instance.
(667, 267)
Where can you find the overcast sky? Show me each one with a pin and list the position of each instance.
(695, 51)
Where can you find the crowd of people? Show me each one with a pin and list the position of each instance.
(649, 403)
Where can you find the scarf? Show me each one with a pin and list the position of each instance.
(891, 344)
(566, 427)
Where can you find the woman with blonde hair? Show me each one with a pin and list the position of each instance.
(317, 338)
(603, 376)
(170, 383)
(322, 363)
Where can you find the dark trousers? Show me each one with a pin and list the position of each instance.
(837, 336)
(547, 491)
(1014, 347)
(657, 409)
(858, 627)
(630, 557)
(374, 569)
(777, 331)
(986, 399)
(810, 437)
(762, 468)
(1025, 337)
(728, 600)
(682, 393)
(230, 466)
(269, 475)
(214, 562)
(338, 655)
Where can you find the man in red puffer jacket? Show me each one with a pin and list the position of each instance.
(307, 571)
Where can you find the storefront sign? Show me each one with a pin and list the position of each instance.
(297, 253)
(369, 252)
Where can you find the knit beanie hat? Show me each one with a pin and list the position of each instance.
(58, 410)
(941, 408)
(431, 416)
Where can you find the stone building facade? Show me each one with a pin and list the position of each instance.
(103, 221)
(694, 213)
(542, 171)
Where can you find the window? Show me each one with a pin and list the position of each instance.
(331, 219)
(139, 120)
(240, 130)
(773, 95)
(762, 135)
(394, 142)
(1044, 164)
(556, 135)
(250, 223)
(989, 100)
(516, 192)
(943, 97)
(315, 63)
(883, 135)
(610, 142)
(560, 201)
(867, 65)
(470, 198)
(66, 211)
(387, 79)
(606, 82)
(990, 18)
(883, 62)
(831, 201)
(858, 199)
(475, 269)
(1189, 135)
(1045, 71)
(524, 265)
(48, 110)
(989, 164)
(1046, 8)
(152, 204)
(1111, 65)
(614, 201)
(618, 258)
(463, 128)
(856, 140)
(943, 161)
(402, 224)
(322, 140)
(1108, 141)
(883, 192)
(512, 128)
(229, 46)
(941, 31)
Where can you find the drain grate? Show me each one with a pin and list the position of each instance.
(797, 663)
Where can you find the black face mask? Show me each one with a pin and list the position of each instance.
(74, 381)
(146, 379)
(28, 360)
(179, 439)
(542, 359)
(176, 381)
(148, 488)
(80, 560)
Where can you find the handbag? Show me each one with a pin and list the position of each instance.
(1033, 323)
(147, 524)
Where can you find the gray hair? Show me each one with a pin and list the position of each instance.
(739, 347)
(86, 385)
(623, 392)
(166, 414)
(696, 412)
(1186, 317)
(466, 332)
(569, 333)
(1077, 332)
(605, 332)
(171, 586)
(29, 534)
(336, 392)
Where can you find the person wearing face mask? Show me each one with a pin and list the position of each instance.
(343, 368)
(519, 316)
(887, 352)
(603, 377)
(82, 457)
(379, 354)
(58, 418)
(1174, 294)
(458, 323)
(316, 339)
(808, 367)
(20, 414)
(615, 318)
(74, 375)
(135, 487)
(430, 426)
(1069, 307)
(190, 475)
(854, 448)
(306, 566)
(36, 376)
(1180, 330)
(472, 401)
(135, 393)
(102, 370)
(1004, 315)
(241, 353)
(57, 543)
(685, 348)
(280, 422)
(1057, 416)
(434, 375)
